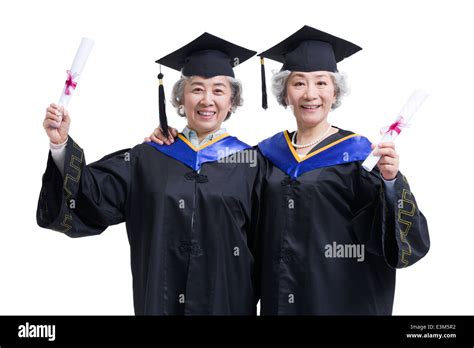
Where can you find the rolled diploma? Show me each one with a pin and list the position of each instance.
(408, 110)
(76, 69)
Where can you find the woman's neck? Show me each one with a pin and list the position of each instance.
(307, 135)
(203, 134)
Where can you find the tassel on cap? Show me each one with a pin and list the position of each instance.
(264, 84)
(162, 106)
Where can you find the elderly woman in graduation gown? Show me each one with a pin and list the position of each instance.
(187, 209)
(332, 234)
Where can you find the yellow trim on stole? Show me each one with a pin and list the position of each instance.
(297, 157)
(187, 142)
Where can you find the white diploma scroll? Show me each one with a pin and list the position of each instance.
(391, 132)
(75, 72)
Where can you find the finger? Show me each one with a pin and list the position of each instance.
(159, 134)
(387, 163)
(174, 132)
(383, 167)
(386, 152)
(388, 159)
(53, 106)
(56, 110)
(388, 166)
(389, 144)
(48, 123)
(162, 136)
(372, 146)
(52, 110)
(52, 116)
(155, 139)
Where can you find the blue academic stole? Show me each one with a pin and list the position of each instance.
(279, 150)
(182, 150)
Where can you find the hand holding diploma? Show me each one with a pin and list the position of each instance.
(384, 154)
(389, 160)
(56, 123)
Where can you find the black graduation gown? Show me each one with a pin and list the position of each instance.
(191, 234)
(312, 210)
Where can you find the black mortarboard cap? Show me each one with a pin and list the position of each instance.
(310, 49)
(206, 56)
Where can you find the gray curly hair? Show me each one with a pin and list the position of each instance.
(177, 94)
(280, 79)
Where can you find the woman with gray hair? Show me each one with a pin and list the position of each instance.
(198, 122)
(189, 209)
(331, 233)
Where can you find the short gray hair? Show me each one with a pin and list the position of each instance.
(280, 79)
(236, 100)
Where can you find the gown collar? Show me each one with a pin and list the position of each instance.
(194, 157)
(279, 150)
(192, 136)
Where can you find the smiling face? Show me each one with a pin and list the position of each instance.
(311, 95)
(207, 103)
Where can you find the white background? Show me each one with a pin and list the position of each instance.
(406, 45)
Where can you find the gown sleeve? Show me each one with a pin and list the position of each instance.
(89, 198)
(397, 228)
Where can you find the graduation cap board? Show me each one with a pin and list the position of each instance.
(306, 50)
(206, 56)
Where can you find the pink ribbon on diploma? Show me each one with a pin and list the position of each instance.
(70, 83)
(395, 127)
